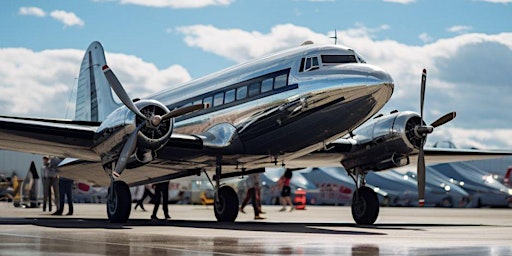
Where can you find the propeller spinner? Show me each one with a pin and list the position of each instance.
(421, 131)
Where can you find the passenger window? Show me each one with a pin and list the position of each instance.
(254, 89)
(218, 99)
(197, 102)
(241, 93)
(266, 85)
(230, 96)
(208, 100)
(281, 81)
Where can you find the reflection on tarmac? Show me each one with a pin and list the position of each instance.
(409, 231)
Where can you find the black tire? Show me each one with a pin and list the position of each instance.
(447, 202)
(365, 206)
(226, 209)
(119, 203)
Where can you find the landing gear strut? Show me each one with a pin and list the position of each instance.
(365, 203)
(225, 204)
(119, 202)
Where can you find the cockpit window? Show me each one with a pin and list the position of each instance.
(309, 63)
(338, 59)
(360, 59)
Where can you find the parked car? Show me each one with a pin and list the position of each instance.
(483, 188)
(404, 188)
(444, 192)
(333, 189)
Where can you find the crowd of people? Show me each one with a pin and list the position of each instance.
(24, 192)
(58, 190)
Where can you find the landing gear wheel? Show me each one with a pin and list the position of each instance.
(365, 206)
(119, 202)
(226, 208)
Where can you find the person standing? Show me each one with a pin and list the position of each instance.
(65, 190)
(284, 183)
(161, 192)
(53, 181)
(253, 194)
(47, 198)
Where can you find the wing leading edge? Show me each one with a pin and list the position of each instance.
(61, 138)
(65, 138)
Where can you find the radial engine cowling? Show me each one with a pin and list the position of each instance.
(384, 142)
(114, 131)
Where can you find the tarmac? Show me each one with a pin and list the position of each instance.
(318, 230)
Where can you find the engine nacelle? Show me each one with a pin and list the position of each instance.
(384, 142)
(114, 131)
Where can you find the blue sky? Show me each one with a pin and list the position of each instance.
(133, 28)
(154, 44)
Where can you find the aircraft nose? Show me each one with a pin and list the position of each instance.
(381, 75)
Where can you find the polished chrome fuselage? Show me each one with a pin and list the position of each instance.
(321, 106)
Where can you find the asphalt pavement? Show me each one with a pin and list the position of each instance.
(318, 230)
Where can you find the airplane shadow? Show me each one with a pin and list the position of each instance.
(308, 227)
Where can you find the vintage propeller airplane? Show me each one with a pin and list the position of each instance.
(303, 107)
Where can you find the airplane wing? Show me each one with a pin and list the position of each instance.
(75, 140)
(349, 155)
(48, 137)
(440, 155)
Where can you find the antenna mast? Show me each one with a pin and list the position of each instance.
(335, 37)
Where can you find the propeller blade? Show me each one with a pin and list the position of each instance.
(120, 92)
(444, 119)
(184, 110)
(422, 94)
(421, 175)
(128, 149)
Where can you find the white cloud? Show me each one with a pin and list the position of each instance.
(143, 78)
(496, 1)
(465, 74)
(475, 138)
(400, 1)
(459, 29)
(68, 18)
(426, 38)
(178, 4)
(243, 45)
(32, 11)
(39, 84)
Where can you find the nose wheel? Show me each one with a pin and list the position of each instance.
(365, 203)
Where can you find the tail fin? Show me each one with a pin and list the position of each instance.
(94, 101)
